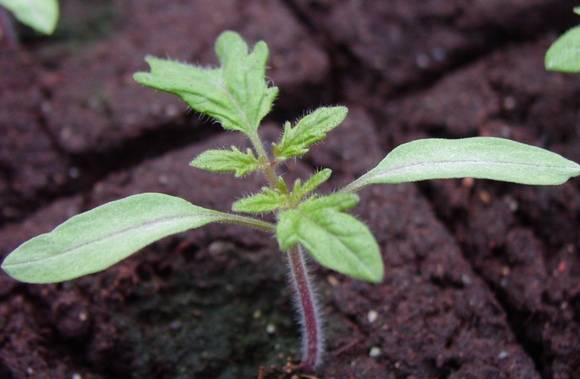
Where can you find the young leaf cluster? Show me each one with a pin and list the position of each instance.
(40, 15)
(279, 197)
(237, 95)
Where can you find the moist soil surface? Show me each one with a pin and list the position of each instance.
(482, 278)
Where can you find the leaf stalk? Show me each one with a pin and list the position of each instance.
(268, 167)
(248, 221)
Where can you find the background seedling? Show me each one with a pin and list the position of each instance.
(564, 54)
(40, 15)
(237, 95)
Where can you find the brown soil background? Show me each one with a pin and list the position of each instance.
(482, 278)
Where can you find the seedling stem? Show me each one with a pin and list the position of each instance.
(304, 291)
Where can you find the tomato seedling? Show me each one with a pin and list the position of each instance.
(237, 95)
(40, 15)
(564, 54)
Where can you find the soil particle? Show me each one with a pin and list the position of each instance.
(24, 351)
(494, 96)
(410, 42)
(28, 160)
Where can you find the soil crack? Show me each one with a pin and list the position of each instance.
(513, 315)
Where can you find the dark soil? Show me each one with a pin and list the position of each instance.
(481, 278)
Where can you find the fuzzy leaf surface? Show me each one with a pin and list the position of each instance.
(335, 239)
(268, 200)
(337, 201)
(310, 129)
(40, 15)
(227, 161)
(477, 157)
(236, 94)
(315, 181)
(97, 239)
(564, 54)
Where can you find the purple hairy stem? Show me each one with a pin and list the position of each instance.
(312, 338)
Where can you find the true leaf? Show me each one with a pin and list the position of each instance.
(227, 161)
(236, 94)
(337, 201)
(267, 200)
(577, 11)
(310, 129)
(300, 190)
(245, 77)
(564, 54)
(478, 157)
(336, 240)
(99, 238)
(40, 15)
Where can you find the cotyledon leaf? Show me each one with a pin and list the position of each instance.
(477, 157)
(41, 15)
(97, 239)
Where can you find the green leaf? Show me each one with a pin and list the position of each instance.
(236, 94)
(268, 200)
(40, 15)
(478, 157)
(227, 161)
(310, 129)
(577, 11)
(337, 201)
(564, 54)
(336, 240)
(244, 76)
(300, 190)
(99, 238)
